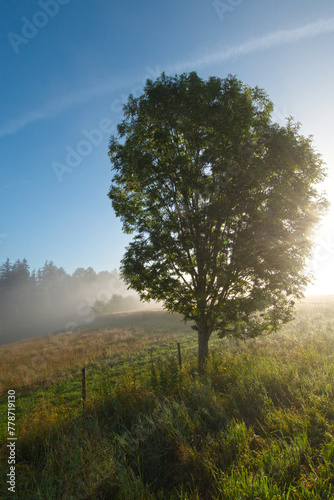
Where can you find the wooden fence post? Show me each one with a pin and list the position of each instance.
(84, 391)
(179, 354)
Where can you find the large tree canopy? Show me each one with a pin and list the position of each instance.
(222, 201)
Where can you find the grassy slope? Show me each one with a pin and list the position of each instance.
(45, 357)
(260, 424)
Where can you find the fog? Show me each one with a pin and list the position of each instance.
(49, 299)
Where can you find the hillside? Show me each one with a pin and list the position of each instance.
(259, 424)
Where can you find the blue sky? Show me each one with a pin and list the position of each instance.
(66, 68)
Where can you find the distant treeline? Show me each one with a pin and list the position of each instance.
(50, 299)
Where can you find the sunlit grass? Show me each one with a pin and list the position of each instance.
(43, 358)
(259, 424)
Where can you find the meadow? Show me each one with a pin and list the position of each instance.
(258, 425)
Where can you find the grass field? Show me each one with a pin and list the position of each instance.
(258, 425)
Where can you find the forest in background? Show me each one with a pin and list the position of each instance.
(49, 299)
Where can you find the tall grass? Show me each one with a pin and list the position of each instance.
(258, 425)
(41, 358)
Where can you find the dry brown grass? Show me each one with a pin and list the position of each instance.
(36, 359)
(33, 360)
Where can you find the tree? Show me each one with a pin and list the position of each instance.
(51, 279)
(84, 276)
(21, 272)
(6, 272)
(222, 201)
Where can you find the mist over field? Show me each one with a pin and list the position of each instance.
(34, 303)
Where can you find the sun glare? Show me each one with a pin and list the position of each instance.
(322, 264)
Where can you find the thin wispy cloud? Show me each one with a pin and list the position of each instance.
(275, 39)
(57, 106)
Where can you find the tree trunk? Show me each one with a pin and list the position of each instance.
(203, 347)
